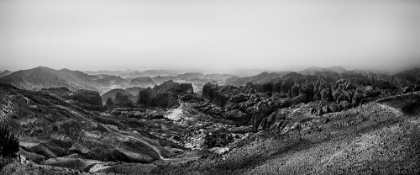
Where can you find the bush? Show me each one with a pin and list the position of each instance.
(9, 145)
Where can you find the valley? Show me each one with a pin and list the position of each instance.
(317, 121)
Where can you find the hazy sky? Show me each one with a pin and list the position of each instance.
(212, 34)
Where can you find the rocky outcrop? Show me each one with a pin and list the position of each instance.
(151, 98)
(218, 96)
(86, 99)
(87, 96)
(112, 93)
(173, 87)
(109, 104)
(165, 95)
(123, 100)
(334, 91)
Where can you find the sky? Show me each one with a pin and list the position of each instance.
(214, 35)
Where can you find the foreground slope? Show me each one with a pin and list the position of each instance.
(53, 132)
(381, 137)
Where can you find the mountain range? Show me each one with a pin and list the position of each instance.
(44, 77)
(318, 121)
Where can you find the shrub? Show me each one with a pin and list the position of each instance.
(9, 145)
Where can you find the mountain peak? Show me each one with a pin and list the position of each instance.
(5, 73)
(41, 68)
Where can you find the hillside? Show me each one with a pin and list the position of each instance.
(381, 137)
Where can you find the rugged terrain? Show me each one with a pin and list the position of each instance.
(44, 77)
(319, 121)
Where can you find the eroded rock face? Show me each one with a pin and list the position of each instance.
(218, 96)
(165, 95)
(151, 98)
(123, 100)
(176, 88)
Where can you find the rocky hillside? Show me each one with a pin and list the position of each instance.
(56, 133)
(380, 137)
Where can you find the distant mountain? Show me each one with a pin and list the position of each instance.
(314, 70)
(142, 82)
(260, 78)
(5, 73)
(218, 76)
(150, 73)
(44, 77)
(108, 72)
(246, 72)
(179, 77)
(409, 77)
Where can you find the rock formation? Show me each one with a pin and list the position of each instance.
(165, 95)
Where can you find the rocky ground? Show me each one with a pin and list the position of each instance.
(299, 124)
(376, 138)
